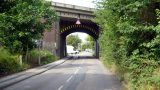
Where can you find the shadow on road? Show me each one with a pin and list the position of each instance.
(82, 57)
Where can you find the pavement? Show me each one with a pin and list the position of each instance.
(82, 72)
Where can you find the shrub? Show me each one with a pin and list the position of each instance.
(130, 40)
(9, 63)
(45, 56)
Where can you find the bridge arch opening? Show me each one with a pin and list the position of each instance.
(93, 32)
(80, 43)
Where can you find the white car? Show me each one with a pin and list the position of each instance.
(76, 51)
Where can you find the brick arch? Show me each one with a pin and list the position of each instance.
(82, 27)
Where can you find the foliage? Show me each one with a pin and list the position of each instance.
(5, 5)
(89, 44)
(9, 63)
(73, 40)
(131, 39)
(46, 56)
(24, 21)
(85, 46)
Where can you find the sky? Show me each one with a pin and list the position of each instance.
(84, 3)
(82, 36)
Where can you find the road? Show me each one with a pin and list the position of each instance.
(80, 73)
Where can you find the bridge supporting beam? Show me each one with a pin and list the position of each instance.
(59, 41)
(96, 49)
(62, 48)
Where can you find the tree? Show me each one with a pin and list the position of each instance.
(74, 41)
(90, 41)
(5, 5)
(89, 44)
(130, 39)
(23, 23)
(85, 46)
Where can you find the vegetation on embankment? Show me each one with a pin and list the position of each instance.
(130, 40)
(45, 57)
(10, 63)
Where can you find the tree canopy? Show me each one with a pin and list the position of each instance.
(131, 39)
(24, 21)
(73, 40)
(89, 44)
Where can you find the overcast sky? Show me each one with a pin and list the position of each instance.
(85, 3)
(82, 36)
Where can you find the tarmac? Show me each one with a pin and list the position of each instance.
(17, 77)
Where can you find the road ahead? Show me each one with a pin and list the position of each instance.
(80, 73)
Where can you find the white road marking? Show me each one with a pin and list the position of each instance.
(79, 67)
(69, 78)
(76, 71)
(60, 87)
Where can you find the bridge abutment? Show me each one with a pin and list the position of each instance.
(96, 49)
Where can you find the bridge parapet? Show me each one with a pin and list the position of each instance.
(57, 4)
(73, 11)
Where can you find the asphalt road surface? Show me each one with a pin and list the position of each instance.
(80, 73)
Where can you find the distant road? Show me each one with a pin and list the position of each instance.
(80, 73)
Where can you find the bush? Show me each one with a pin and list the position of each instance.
(130, 40)
(8, 63)
(45, 56)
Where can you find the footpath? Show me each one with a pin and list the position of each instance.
(17, 77)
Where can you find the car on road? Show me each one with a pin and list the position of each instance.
(70, 50)
(76, 51)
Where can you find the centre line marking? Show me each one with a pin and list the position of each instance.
(76, 71)
(69, 78)
(60, 87)
(79, 67)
